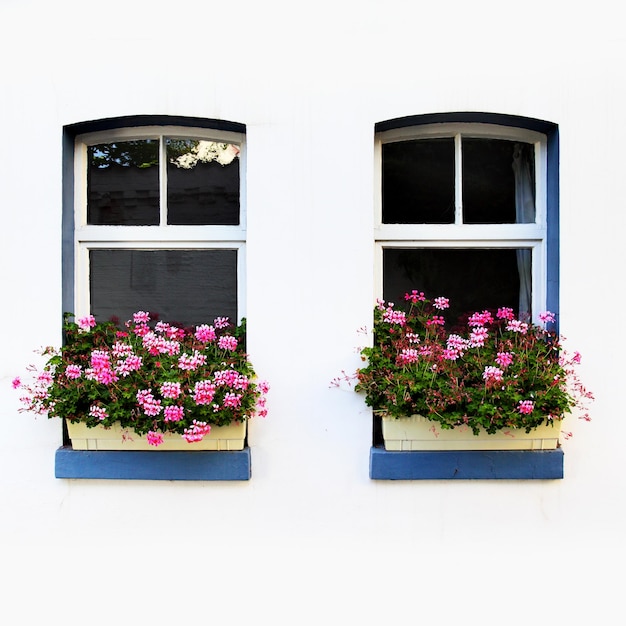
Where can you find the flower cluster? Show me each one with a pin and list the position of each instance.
(150, 377)
(491, 370)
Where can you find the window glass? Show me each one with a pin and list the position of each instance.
(202, 182)
(418, 182)
(123, 183)
(489, 180)
(473, 279)
(180, 286)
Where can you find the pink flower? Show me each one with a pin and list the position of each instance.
(450, 354)
(148, 403)
(480, 319)
(141, 330)
(16, 382)
(408, 355)
(85, 323)
(232, 400)
(221, 322)
(394, 317)
(547, 316)
(141, 317)
(504, 359)
(121, 349)
(441, 303)
(173, 413)
(435, 320)
(98, 412)
(154, 439)
(525, 407)
(196, 432)
(415, 296)
(478, 337)
(231, 378)
(517, 327)
(456, 342)
(170, 390)
(73, 372)
(505, 313)
(204, 392)
(492, 374)
(205, 333)
(191, 361)
(132, 363)
(227, 343)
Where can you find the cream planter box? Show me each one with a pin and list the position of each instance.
(229, 437)
(418, 433)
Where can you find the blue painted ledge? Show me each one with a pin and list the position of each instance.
(454, 464)
(153, 465)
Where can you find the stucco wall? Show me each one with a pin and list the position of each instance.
(316, 541)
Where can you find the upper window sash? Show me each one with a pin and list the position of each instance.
(535, 230)
(85, 231)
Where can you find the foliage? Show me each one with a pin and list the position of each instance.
(151, 377)
(492, 371)
(144, 153)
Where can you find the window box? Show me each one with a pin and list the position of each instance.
(230, 437)
(419, 433)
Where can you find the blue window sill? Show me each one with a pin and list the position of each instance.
(458, 465)
(153, 465)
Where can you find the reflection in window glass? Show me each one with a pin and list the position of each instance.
(180, 286)
(490, 184)
(123, 183)
(202, 182)
(473, 279)
(418, 182)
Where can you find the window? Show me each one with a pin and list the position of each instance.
(159, 223)
(467, 208)
(154, 218)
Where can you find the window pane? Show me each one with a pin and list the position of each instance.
(202, 182)
(123, 183)
(490, 185)
(418, 182)
(182, 286)
(473, 279)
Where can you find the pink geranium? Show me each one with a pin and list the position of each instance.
(152, 378)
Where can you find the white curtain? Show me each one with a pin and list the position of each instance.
(525, 214)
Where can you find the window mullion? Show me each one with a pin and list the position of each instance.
(458, 180)
(162, 181)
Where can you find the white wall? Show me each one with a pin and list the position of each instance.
(317, 540)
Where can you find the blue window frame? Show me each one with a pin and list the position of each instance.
(397, 231)
(153, 465)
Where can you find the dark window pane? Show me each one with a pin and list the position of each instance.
(123, 183)
(489, 183)
(473, 279)
(202, 182)
(418, 182)
(180, 286)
